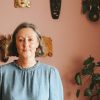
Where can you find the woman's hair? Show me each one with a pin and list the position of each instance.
(12, 48)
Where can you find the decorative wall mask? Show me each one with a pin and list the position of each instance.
(46, 47)
(22, 3)
(55, 6)
(4, 44)
(92, 9)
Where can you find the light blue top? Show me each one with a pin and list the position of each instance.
(40, 82)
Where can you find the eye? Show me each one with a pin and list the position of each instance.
(20, 40)
(30, 39)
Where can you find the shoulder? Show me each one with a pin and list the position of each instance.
(7, 66)
(48, 67)
(52, 71)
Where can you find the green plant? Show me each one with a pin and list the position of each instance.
(88, 71)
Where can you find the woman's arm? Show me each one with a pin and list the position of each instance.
(56, 87)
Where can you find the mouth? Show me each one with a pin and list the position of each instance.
(25, 50)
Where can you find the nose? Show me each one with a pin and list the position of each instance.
(26, 43)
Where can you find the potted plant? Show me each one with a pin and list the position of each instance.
(88, 71)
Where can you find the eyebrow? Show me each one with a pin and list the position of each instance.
(25, 37)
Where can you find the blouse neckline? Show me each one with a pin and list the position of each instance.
(29, 68)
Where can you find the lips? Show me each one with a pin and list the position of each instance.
(25, 50)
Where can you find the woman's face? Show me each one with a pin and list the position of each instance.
(26, 43)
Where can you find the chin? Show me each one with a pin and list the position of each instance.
(27, 56)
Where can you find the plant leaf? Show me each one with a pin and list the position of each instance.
(87, 92)
(96, 78)
(98, 64)
(92, 84)
(78, 79)
(91, 65)
(98, 91)
(88, 61)
(78, 93)
(87, 71)
(85, 6)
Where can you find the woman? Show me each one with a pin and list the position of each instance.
(27, 78)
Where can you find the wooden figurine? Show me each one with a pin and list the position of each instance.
(4, 44)
(45, 47)
(21, 3)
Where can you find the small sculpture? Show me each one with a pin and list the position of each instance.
(4, 44)
(45, 48)
(21, 3)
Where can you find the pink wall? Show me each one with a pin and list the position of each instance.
(74, 37)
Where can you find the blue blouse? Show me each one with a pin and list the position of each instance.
(40, 82)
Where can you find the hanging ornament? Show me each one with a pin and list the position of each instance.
(21, 3)
(92, 9)
(94, 14)
(85, 6)
(55, 6)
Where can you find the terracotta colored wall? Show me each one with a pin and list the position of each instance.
(74, 37)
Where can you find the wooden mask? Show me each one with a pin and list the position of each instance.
(55, 6)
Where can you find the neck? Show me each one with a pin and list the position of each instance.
(25, 63)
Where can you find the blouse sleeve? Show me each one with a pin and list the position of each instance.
(0, 85)
(56, 87)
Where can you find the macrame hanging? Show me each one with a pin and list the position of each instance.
(92, 9)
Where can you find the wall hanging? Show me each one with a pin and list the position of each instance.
(55, 6)
(4, 44)
(44, 50)
(21, 3)
(92, 9)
